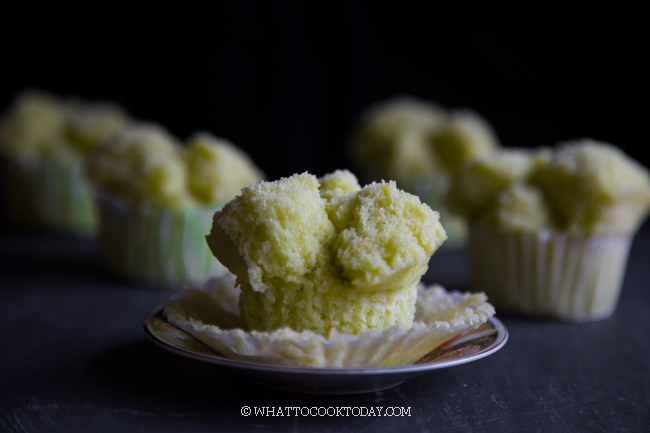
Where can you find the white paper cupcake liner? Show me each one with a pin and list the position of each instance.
(47, 194)
(159, 246)
(549, 273)
(211, 314)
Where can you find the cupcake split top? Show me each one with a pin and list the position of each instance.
(582, 187)
(41, 127)
(326, 274)
(325, 254)
(149, 166)
(406, 138)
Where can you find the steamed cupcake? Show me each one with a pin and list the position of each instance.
(420, 145)
(328, 275)
(551, 229)
(347, 263)
(156, 199)
(43, 144)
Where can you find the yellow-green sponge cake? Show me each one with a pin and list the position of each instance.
(336, 259)
(157, 197)
(478, 183)
(520, 208)
(35, 121)
(550, 229)
(218, 169)
(593, 187)
(392, 138)
(43, 144)
(144, 163)
(338, 184)
(90, 123)
(465, 137)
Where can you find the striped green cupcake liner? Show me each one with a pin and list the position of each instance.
(47, 194)
(549, 273)
(164, 247)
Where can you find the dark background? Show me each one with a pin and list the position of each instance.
(287, 80)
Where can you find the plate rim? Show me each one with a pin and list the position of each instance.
(502, 335)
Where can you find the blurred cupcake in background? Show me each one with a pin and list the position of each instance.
(420, 145)
(43, 144)
(551, 229)
(156, 199)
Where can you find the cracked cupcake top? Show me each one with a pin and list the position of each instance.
(404, 138)
(41, 126)
(149, 166)
(582, 187)
(330, 239)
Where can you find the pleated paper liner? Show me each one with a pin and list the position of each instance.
(573, 278)
(47, 194)
(165, 247)
(211, 314)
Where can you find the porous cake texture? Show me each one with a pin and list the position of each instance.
(326, 256)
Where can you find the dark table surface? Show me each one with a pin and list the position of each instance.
(75, 359)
